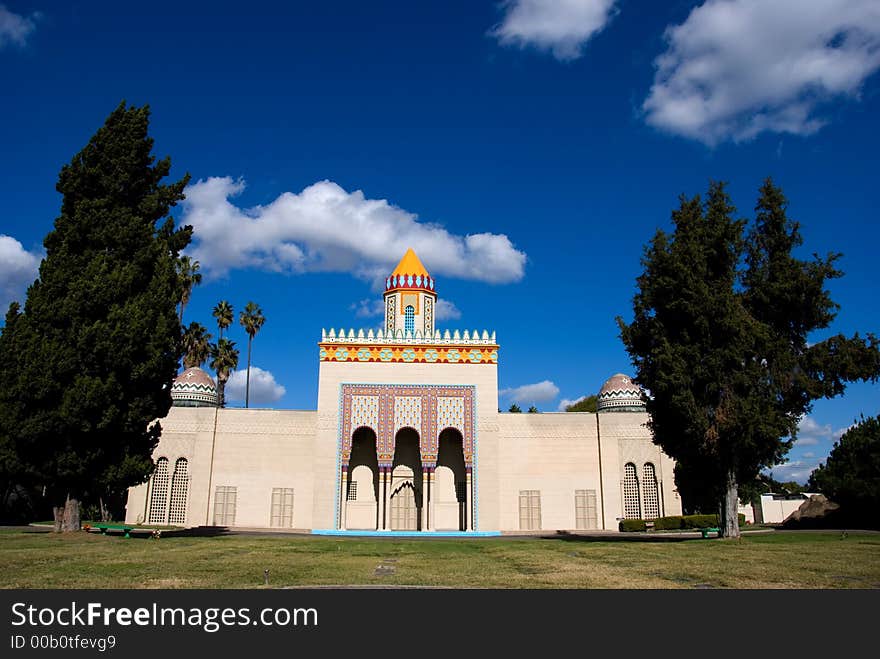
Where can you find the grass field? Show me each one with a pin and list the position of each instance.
(772, 560)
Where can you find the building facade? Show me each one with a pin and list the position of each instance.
(407, 436)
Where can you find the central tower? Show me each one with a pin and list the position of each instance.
(410, 298)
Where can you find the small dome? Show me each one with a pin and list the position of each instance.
(620, 394)
(194, 388)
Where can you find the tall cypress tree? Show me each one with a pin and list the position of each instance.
(720, 338)
(99, 341)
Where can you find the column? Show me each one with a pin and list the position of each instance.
(342, 492)
(426, 499)
(469, 495)
(383, 493)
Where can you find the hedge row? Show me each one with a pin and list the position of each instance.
(675, 523)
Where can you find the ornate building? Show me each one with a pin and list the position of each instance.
(407, 437)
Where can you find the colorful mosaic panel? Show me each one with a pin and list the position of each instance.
(450, 412)
(427, 408)
(429, 314)
(408, 412)
(389, 312)
(408, 354)
(364, 412)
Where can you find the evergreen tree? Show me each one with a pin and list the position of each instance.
(533, 410)
(719, 336)
(851, 474)
(515, 408)
(99, 342)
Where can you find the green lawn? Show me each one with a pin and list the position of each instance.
(771, 560)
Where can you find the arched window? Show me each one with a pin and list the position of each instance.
(649, 487)
(631, 507)
(409, 319)
(179, 486)
(159, 494)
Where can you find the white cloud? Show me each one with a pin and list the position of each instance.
(561, 26)
(15, 28)
(811, 433)
(796, 470)
(737, 68)
(263, 387)
(18, 269)
(369, 307)
(540, 392)
(566, 402)
(446, 310)
(326, 229)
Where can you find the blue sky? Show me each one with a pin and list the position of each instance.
(527, 150)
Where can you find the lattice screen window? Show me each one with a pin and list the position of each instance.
(529, 510)
(179, 487)
(409, 318)
(159, 492)
(224, 505)
(352, 491)
(282, 507)
(585, 511)
(649, 487)
(631, 505)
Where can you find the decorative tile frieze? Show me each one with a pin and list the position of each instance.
(406, 354)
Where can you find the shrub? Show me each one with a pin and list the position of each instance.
(627, 525)
(672, 523)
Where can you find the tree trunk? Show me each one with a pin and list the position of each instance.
(71, 516)
(105, 513)
(247, 386)
(221, 392)
(729, 518)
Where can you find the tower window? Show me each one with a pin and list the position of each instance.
(409, 319)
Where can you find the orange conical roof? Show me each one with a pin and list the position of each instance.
(410, 265)
(410, 273)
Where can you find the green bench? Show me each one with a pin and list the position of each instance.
(114, 527)
(711, 529)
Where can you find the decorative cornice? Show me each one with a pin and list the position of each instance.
(409, 354)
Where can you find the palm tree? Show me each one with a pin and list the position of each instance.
(224, 315)
(252, 320)
(196, 345)
(189, 276)
(224, 360)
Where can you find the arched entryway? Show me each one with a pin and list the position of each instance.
(362, 482)
(405, 503)
(449, 494)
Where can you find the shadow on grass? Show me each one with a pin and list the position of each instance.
(621, 537)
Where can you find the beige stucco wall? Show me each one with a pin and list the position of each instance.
(626, 438)
(256, 450)
(557, 454)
